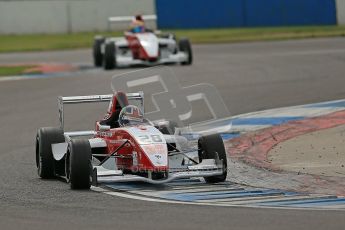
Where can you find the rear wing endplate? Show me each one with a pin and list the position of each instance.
(95, 98)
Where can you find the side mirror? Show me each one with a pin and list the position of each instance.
(104, 128)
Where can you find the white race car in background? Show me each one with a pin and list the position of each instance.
(147, 48)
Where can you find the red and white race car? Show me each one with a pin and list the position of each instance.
(144, 48)
(125, 147)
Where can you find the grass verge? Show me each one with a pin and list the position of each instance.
(260, 34)
(16, 43)
(13, 70)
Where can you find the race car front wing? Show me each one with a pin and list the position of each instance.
(207, 168)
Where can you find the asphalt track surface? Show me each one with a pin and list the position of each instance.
(250, 77)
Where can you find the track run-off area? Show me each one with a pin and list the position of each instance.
(250, 77)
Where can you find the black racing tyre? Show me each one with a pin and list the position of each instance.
(109, 59)
(44, 155)
(208, 147)
(78, 164)
(97, 54)
(185, 46)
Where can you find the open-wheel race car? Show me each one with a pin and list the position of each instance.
(131, 147)
(144, 48)
(141, 49)
(126, 146)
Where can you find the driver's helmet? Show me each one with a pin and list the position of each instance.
(138, 17)
(131, 115)
(138, 24)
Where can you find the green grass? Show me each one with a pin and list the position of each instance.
(260, 34)
(15, 43)
(12, 70)
(39, 42)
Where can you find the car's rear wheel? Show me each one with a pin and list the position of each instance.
(168, 36)
(78, 164)
(97, 53)
(44, 155)
(185, 46)
(109, 59)
(167, 128)
(212, 147)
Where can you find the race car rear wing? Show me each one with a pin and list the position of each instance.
(139, 96)
(118, 19)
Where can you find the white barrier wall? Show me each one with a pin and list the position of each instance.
(63, 16)
(341, 11)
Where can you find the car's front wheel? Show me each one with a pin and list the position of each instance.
(109, 58)
(78, 164)
(186, 47)
(44, 155)
(97, 53)
(212, 147)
